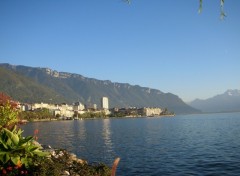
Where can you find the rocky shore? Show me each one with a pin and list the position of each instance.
(64, 163)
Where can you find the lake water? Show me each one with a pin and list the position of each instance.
(206, 144)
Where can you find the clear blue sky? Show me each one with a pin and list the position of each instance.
(160, 44)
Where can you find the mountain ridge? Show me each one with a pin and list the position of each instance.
(229, 101)
(72, 87)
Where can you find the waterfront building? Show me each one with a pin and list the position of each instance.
(78, 106)
(40, 106)
(25, 107)
(95, 106)
(150, 111)
(105, 104)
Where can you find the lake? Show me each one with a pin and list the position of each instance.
(204, 144)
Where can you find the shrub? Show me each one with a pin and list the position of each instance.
(18, 150)
(8, 116)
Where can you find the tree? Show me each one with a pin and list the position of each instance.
(4, 99)
(222, 13)
(8, 111)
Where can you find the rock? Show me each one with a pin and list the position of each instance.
(66, 173)
(80, 161)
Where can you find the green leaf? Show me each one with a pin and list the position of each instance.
(5, 158)
(14, 137)
(33, 149)
(15, 159)
(9, 142)
(19, 132)
(3, 143)
(40, 153)
(23, 142)
(200, 6)
(3, 153)
(24, 161)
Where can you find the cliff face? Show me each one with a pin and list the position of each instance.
(68, 87)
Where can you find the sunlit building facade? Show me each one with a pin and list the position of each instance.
(105, 104)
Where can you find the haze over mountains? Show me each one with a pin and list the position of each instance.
(29, 84)
(229, 101)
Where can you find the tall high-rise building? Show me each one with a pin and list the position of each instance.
(105, 103)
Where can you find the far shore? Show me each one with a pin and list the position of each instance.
(125, 117)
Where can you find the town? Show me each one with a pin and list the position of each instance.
(79, 111)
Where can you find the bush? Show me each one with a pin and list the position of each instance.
(8, 116)
(16, 150)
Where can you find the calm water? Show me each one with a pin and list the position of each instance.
(182, 145)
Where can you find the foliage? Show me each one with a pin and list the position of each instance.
(21, 88)
(118, 114)
(166, 112)
(58, 115)
(18, 150)
(92, 115)
(8, 111)
(5, 99)
(36, 114)
(8, 116)
(222, 13)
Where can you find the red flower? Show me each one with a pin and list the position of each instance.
(36, 132)
(9, 168)
(4, 171)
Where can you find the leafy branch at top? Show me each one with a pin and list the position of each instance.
(222, 13)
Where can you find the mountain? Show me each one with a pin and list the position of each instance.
(229, 101)
(24, 89)
(29, 84)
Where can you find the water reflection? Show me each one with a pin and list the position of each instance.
(79, 131)
(106, 134)
(82, 130)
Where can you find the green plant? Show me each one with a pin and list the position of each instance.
(18, 150)
(8, 115)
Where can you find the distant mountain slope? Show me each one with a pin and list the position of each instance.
(24, 89)
(226, 102)
(74, 87)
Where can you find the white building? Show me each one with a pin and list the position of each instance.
(150, 111)
(105, 104)
(78, 106)
(40, 106)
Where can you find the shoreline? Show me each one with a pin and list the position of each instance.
(95, 118)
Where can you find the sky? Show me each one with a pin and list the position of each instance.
(165, 45)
